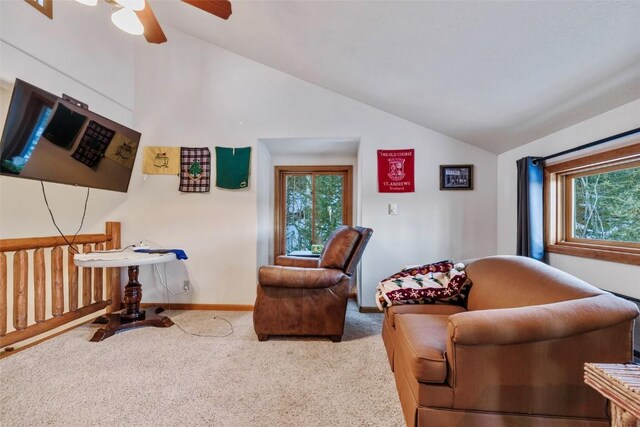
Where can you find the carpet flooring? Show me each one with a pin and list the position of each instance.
(166, 377)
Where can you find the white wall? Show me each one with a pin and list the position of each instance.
(190, 93)
(317, 152)
(54, 56)
(265, 183)
(194, 94)
(80, 41)
(80, 54)
(621, 278)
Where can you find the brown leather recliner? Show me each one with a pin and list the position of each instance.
(308, 296)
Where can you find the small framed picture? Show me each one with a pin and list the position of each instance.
(44, 6)
(456, 177)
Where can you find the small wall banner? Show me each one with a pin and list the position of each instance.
(195, 175)
(158, 160)
(232, 167)
(396, 171)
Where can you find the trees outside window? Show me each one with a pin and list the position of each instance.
(311, 202)
(592, 206)
(607, 206)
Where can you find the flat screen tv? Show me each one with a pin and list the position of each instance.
(48, 138)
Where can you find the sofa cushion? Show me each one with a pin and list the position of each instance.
(422, 340)
(391, 312)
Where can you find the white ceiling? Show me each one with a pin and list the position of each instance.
(493, 74)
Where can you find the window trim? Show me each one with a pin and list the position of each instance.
(46, 7)
(280, 181)
(558, 208)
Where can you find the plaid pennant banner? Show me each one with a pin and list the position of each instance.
(195, 169)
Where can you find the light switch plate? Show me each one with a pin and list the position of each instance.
(393, 209)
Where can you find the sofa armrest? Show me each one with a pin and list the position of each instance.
(531, 359)
(538, 323)
(296, 277)
(295, 261)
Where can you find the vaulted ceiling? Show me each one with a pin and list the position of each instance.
(494, 74)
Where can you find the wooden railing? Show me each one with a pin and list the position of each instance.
(100, 287)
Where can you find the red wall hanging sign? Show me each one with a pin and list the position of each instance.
(395, 171)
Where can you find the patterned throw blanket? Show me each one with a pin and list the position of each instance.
(441, 282)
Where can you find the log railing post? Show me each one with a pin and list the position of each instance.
(39, 280)
(20, 290)
(86, 279)
(3, 294)
(57, 274)
(73, 278)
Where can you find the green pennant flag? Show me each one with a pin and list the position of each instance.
(232, 167)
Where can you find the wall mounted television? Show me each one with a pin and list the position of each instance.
(48, 138)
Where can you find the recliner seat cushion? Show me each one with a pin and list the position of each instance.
(423, 343)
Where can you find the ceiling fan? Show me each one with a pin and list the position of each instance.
(136, 16)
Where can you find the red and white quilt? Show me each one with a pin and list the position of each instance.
(441, 282)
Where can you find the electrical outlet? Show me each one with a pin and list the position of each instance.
(185, 285)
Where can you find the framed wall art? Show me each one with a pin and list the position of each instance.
(456, 177)
(44, 6)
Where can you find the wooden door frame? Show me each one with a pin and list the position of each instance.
(280, 182)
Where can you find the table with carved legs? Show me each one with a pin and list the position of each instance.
(131, 316)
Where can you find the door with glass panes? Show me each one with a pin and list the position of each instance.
(311, 202)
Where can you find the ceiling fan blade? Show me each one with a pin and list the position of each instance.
(152, 30)
(220, 8)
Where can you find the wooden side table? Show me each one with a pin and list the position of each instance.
(620, 383)
(131, 316)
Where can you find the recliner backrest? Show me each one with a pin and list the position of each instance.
(344, 248)
(365, 235)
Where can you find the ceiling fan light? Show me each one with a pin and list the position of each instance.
(88, 2)
(127, 21)
(131, 4)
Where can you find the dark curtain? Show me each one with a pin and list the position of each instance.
(530, 208)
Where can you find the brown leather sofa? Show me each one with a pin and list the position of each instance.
(308, 296)
(515, 356)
